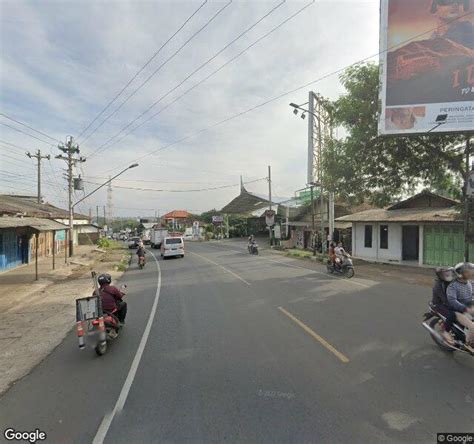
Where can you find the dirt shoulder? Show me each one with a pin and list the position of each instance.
(35, 316)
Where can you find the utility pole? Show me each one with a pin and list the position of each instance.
(38, 157)
(467, 200)
(270, 198)
(97, 214)
(313, 226)
(70, 150)
(105, 218)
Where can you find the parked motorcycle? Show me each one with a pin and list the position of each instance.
(434, 321)
(95, 327)
(253, 248)
(141, 262)
(345, 267)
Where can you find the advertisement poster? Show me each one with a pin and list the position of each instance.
(427, 66)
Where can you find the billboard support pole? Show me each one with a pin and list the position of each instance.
(466, 200)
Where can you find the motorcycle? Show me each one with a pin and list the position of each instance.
(434, 321)
(141, 262)
(253, 248)
(346, 267)
(95, 326)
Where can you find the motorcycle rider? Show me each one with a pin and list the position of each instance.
(439, 300)
(340, 254)
(141, 252)
(112, 297)
(251, 242)
(332, 252)
(460, 295)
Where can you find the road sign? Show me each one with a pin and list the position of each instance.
(470, 184)
(270, 218)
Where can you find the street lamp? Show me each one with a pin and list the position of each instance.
(133, 165)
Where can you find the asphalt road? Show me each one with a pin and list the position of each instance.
(252, 349)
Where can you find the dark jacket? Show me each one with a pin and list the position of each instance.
(141, 252)
(110, 295)
(439, 293)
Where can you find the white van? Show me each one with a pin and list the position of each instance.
(172, 246)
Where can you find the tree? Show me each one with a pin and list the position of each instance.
(363, 165)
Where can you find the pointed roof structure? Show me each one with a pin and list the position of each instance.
(245, 203)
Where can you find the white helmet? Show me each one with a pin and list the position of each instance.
(464, 267)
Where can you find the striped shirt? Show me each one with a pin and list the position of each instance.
(460, 295)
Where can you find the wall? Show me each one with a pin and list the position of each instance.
(392, 254)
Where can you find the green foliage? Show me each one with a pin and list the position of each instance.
(103, 242)
(363, 165)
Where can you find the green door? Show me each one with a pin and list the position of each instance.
(443, 245)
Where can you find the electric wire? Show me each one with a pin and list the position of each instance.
(140, 71)
(281, 95)
(29, 127)
(209, 60)
(161, 66)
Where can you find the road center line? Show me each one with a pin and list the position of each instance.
(318, 338)
(221, 266)
(107, 420)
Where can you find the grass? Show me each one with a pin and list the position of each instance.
(124, 262)
(304, 254)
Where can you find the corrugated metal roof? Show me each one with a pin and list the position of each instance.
(36, 223)
(405, 215)
(28, 206)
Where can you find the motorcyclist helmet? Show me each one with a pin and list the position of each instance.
(104, 279)
(465, 270)
(445, 274)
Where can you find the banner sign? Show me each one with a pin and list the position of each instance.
(270, 218)
(426, 66)
(217, 219)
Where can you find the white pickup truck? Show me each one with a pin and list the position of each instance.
(156, 237)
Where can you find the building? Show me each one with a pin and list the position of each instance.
(24, 239)
(84, 232)
(178, 219)
(300, 224)
(426, 229)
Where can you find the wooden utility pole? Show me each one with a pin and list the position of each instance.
(69, 150)
(38, 157)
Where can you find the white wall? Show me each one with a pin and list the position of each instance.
(392, 254)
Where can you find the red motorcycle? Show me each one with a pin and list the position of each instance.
(94, 326)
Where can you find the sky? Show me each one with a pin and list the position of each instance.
(63, 62)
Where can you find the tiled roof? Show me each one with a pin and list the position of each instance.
(177, 214)
(405, 215)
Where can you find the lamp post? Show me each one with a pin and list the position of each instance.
(87, 195)
(319, 131)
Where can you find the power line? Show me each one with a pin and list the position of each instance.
(103, 146)
(29, 127)
(180, 191)
(161, 66)
(288, 92)
(140, 71)
(24, 132)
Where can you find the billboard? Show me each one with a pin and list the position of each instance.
(427, 66)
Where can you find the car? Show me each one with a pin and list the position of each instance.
(133, 242)
(172, 247)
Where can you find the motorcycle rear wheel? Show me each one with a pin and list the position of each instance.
(101, 348)
(349, 272)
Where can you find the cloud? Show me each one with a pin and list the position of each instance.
(62, 62)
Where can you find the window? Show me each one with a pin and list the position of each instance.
(368, 236)
(173, 241)
(384, 236)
